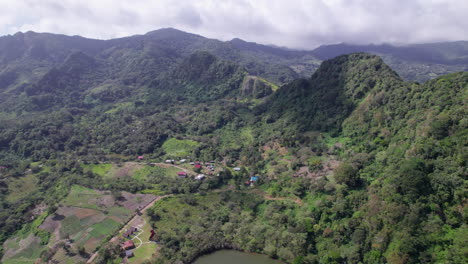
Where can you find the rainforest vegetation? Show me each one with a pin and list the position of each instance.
(355, 164)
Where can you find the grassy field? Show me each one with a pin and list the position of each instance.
(31, 250)
(143, 173)
(22, 187)
(179, 148)
(82, 197)
(99, 169)
(147, 249)
(26, 245)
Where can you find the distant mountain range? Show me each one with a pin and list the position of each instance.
(26, 57)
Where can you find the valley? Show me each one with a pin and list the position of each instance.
(302, 156)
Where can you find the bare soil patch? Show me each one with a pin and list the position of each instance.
(127, 169)
(135, 201)
(106, 201)
(84, 212)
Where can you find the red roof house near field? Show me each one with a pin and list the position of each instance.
(182, 174)
(141, 157)
(198, 166)
(128, 245)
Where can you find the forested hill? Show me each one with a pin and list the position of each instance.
(418, 62)
(375, 166)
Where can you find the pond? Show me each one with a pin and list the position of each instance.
(235, 257)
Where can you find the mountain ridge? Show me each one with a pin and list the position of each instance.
(352, 163)
(33, 50)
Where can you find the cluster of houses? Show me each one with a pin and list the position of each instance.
(128, 245)
(209, 165)
(197, 165)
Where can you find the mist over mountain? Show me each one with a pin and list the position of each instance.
(29, 55)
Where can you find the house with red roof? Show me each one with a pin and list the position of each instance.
(182, 174)
(128, 245)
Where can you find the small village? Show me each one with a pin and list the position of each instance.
(196, 170)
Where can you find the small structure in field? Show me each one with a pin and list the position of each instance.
(130, 232)
(200, 177)
(128, 245)
(153, 235)
(169, 161)
(252, 180)
(197, 166)
(141, 157)
(129, 253)
(182, 160)
(192, 163)
(182, 174)
(127, 234)
(237, 169)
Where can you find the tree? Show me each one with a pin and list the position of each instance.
(412, 178)
(345, 173)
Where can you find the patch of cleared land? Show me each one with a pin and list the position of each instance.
(177, 148)
(85, 218)
(21, 187)
(26, 245)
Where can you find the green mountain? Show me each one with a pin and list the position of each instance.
(356, 164)
(418, 62)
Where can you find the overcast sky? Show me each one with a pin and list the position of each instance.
(293, 23)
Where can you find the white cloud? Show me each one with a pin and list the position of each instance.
(293, 23)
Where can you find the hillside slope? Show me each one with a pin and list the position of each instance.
(367, 167)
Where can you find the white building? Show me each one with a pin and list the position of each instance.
(200, 177)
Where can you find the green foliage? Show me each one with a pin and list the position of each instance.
(345, 173)
(99, 169)
(397, 195)
(174, 147)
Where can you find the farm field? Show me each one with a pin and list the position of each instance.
(84, 220)
(27, 244)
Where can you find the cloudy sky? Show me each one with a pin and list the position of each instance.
(301, 24)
